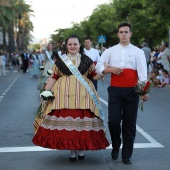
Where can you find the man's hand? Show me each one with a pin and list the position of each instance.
(116, 70)
(144, 97)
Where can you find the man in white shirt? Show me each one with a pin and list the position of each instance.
(127, 64)
(92, 53)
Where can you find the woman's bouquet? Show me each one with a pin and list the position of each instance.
(49, 72)
(142, 88)
(46, 95)
(41, 68)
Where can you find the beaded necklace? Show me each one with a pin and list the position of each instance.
(75, 59)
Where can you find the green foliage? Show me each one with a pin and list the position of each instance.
(149, 18)
(16, 15)
(36, 46)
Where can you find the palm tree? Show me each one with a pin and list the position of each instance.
(10, 19)
(23, 13)
(4, 21)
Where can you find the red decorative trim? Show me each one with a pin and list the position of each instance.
(95, 62)
(92, 74)
(55, 76)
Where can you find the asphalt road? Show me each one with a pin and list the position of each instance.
(19, 99)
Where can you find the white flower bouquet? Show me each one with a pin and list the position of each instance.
(41, 68)
(49, 72)
(46, 95)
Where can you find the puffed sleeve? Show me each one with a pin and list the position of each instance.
(92, 71)
(55, 72)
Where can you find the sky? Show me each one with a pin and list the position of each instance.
(50, 15)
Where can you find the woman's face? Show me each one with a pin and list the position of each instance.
(73, 46)
(164, 73)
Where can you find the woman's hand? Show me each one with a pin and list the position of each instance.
(113, 70)
(97, 77)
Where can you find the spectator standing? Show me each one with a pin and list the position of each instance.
(165, 58)
(156, 50)
(92, 53)
(2, 64)
(147, 52)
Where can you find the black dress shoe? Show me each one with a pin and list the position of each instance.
(81, 158)
(115, 154)
(73, 159)
(126, 161)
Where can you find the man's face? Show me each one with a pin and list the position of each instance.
(87, 44)
(124, 35)
(50, 47)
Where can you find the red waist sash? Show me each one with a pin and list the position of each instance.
(128, 78)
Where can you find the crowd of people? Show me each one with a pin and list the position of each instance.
(158, 64)
(73, 120)
(22, 60)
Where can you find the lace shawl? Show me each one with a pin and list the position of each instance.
(85, 63)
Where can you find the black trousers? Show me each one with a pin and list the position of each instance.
(122, 107)
(25, 66)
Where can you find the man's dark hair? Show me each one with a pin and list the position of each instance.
(50, 43)
(125, 24)
(87, 38)
(166, 44)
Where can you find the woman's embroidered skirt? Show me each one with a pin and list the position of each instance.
(71, 129)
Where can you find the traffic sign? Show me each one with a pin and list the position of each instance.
(101, 39)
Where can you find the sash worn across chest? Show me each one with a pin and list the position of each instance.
(78, 75)
(49, 57)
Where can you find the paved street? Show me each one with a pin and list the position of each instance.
(19, 99)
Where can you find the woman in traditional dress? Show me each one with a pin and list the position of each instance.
(35, 65)
(74, 119)
(48, 65)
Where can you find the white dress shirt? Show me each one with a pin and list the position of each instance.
(126, 57)
(93, 54)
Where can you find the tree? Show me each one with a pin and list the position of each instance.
(36, 46)
(102, 21)
(146, 18)
(149, 18)
(9, 21)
